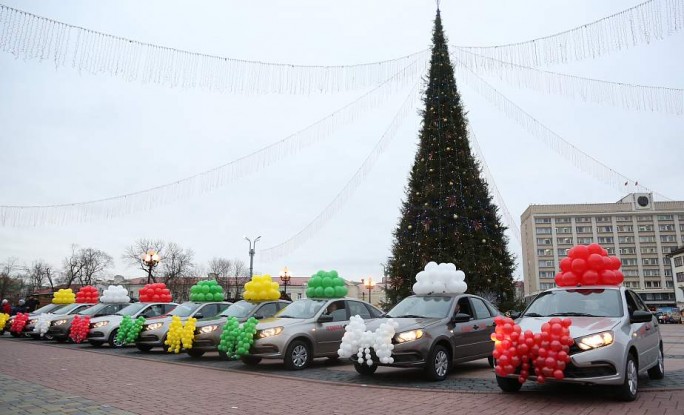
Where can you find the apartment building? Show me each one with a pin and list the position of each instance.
(637, 229)
(677, 264)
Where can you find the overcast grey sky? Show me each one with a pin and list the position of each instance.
(67, 137)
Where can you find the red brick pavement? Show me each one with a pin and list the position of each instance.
(146, 386)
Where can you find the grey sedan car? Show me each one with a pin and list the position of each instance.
(61, 325)
(48, 308)
(68, 311)
(306, 329)
(154, 331)
(208, 331)
(437, 331)
(616, 337)
(104, 329)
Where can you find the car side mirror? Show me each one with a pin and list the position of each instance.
(325, 318)
(640, 316)
(199, 316)
(460, 318)
(258, 316)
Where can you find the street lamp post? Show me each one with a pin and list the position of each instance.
(285, 278)
(150, 259)
(251, 254)
(369, 284)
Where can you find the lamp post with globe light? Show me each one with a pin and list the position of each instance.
(150, 259)
(285, 278)
(369, 284)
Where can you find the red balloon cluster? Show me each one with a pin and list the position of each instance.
(87, 294)
(589, 265)
(19, 322)
(80, 327)
(546, 352)
(156, 292)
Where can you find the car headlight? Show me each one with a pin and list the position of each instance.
(59, 322)
(207, 329)
(100, 324)
(154, 326)
(409, 336)
(594, 341)
(273, 331)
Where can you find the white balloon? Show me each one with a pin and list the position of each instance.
(430, 265)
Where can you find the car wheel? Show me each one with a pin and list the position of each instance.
(112, 339)
(508, 385)
(629, 389)
(250, 360)
(364, 369)
(298, 355)
(15, 334)
(658, 371)
(96, 343)
(195, 353)
(438, 363)
(224, 355)
(144, 347)
(61, 339)
(491, 361)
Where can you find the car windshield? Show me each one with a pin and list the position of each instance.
(129, 310)
(422, 306)
(67, 309)
(305, 308)
(576, 302)
(91, 311)
(240, 309)
(185, 309)
(50, 308)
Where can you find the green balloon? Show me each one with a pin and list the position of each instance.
(218, 296)
(193, 289)
(199, 297)
(327, 282)
(315, 282)
(205, 289)
(340, 291)
(333, 274)
(310, 292)
(338, 282)
(329, 292)
(318, 292)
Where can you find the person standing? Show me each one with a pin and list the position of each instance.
(6, 307)
(31, 304)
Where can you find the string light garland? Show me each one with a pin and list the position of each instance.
(32, 37)
(209, 180)
(625, 95)
(642, 24)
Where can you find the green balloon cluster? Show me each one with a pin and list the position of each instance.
(326, 284)
(129, 329)
(206, 291)
(236, 340)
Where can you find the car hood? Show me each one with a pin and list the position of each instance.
(581, 326)
(267, 323)
(212, 321)
(114, 319)
(404, 323)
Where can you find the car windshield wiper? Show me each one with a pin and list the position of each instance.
(532, 315)
(571, 313)
(407, 316)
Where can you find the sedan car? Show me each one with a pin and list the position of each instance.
(104, 329)
(154, 331)
(437, 331)
(49, 308)
(67, 311)
(208, 332)
(61, 325)
(306, 329)
(616, 337)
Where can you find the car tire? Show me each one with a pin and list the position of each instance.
(96, 343)
(658, 371)
(364, 369)
(250, 360)
(61, 339)
(298, 355)
(224, 355)
(491, 361)
(144, 347)
(15, 334)
(112, 340)
(630, 388)
(508, 385)
(195, 353)
(438, 363)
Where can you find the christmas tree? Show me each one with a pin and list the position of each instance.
(448, 214)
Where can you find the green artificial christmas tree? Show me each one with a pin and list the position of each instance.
(448, 214)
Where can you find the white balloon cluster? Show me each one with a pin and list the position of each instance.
(440, 279)
(115, 294)
(43, 323)
(357, 340)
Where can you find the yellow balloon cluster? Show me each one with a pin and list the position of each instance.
(261, 288)
(3, 319)
(64, 296)
(179, 333)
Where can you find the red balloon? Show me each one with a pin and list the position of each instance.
(569, 279)
(608, 277)
(556, 346)
(558, 374)
(594, 249)
(607, 263)
(590, 277)
(604, 252)
(559, 279)
(579, 266)
(565, 264)
(581, 252)
(615, 263)
(571, 252)
(155, 297)
(595, 262)
(619, 277)
(550, 362)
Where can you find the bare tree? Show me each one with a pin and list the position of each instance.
(221, 267)
(239, 275)
(94, 262)
(8, 281)
(72, 267)
(176, 263)
(132, 254)
(36, 275)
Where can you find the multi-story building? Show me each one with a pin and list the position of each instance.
(677, 264)
(640, 231)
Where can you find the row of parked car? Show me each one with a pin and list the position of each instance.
(616, 337)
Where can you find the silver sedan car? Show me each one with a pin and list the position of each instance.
(306, 329)
(208, 331)
(616, 337)
(68, 311)
(61, 325)
(437, 331)
(154, 331)
(104, 329)
(48, 308)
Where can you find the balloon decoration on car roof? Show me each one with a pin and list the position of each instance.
(440, 279)
(205, 291)
(261, 288)
(115, 294)
(589, 265)
(63, 296)
(87, 294)
(326, 284)
(156, 292)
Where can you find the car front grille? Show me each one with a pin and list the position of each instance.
(597, 369)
